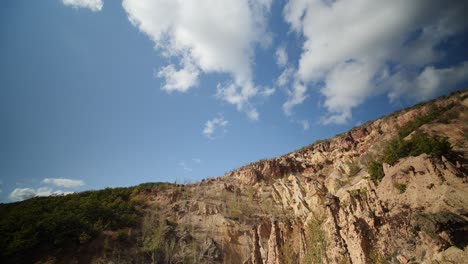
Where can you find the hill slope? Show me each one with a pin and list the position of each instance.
(393, 190)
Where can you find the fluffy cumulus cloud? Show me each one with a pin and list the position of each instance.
(178, 80)
(212, 125)
(428, 82)
(206, 36)
(239, 96)
(355, 49)
(62, 182)
(93, 5)
(20, 194)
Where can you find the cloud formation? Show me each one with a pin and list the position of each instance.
(281, 56)
(62, 182)
(21, 194)
(296, 95)
(209, 36)
(352, 49)
(178, 80)
(357, 49)
(93, 5)
(427, 83)
(212, 125)
(239, 96)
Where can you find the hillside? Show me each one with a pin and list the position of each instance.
(393, 190)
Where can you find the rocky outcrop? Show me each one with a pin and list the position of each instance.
(340, 151)
(428, 183)
(274, 245)
(267, 170)
(256, 257)
(318, 205)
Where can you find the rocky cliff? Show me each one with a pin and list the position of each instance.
(318, 204)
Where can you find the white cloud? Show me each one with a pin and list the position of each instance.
(20, 194)
(212, 125)
(429, 82)
(197, 160)
(239, 96)
(286, 77)
(281, 56)
(295, 89)
(214, 36)
(178, 80)
(266, 92)
(296, 96)
(349, 45)
(346, 87)
(93, 5)
(61, 182)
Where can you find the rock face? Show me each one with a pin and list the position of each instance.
(274, 245)
(318, 205)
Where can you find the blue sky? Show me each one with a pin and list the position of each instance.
(97, 94)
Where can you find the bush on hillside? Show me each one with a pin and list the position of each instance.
(420, 143)
(433, 113)
(398, 148)
(375, 170)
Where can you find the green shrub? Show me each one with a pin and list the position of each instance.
(401, 187)
(158, 238)
(153, 235)
(375, 170)
(433, 113)
(420, 143)
(433, 146)
(449, 116)
(393, 151)
(376, 258)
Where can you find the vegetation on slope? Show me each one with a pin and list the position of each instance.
(434, 113)
(316, 242)
(416, 145)
(55, 224)
(398, 148)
